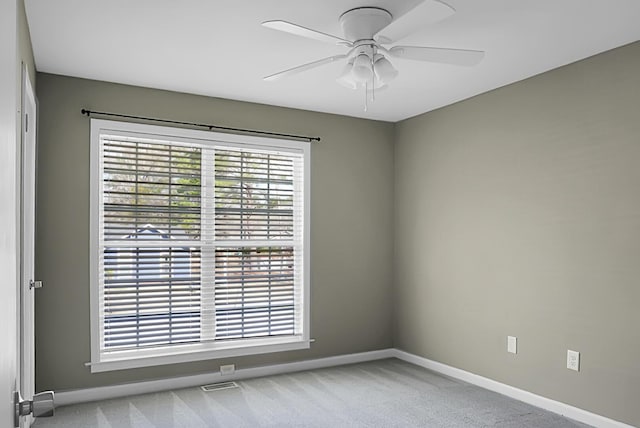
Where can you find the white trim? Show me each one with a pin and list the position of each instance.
(207, 140)
(194, 352)
(554, 406)
(95, 196)
(306, 239)
(64, 398)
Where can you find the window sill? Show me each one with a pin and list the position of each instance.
(197, 352)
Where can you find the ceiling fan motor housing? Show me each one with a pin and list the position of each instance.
(364, 22)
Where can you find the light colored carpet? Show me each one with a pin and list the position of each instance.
(386, 393)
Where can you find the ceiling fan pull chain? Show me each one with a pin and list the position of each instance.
(373, 77)
(366, 98)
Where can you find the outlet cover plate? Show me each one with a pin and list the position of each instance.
(228, 369)
(573, 360)
(512, 344)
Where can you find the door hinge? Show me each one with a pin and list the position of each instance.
(35, 284)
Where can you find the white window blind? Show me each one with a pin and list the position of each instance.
(200, 245)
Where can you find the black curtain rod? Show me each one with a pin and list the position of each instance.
(203, 125)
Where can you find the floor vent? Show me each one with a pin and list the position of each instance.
(219, 386)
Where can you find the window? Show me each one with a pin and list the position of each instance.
(199, 245)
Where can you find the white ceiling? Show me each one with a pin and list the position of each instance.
(218, 48)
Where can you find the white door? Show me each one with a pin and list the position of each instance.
(27, 291)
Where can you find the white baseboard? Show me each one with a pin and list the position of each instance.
(64, 398)
(554, 406)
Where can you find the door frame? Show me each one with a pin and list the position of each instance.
(9, 143)
(27, 185)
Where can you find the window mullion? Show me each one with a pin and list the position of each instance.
(299, 246)
(207, 237)
(101, 246)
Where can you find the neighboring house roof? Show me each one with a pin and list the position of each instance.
(154, 231)
(151, 229)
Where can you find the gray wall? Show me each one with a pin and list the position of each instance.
(351, 225)
(518, 213)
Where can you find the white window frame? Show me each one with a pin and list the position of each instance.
(171, 354)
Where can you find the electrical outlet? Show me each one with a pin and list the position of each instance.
(228, 369)
(512, 344)
(573, 360)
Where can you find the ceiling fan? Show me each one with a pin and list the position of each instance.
(366, 32)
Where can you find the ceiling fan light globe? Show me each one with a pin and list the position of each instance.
(362, 75)
(347, 81)
(346, 76)
(346, 70)
(378, 85)
(361, 70)
(385, 71)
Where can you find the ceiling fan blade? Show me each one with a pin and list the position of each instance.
(425, 13)
(301, 31)
(464, 57)
(304, 67)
